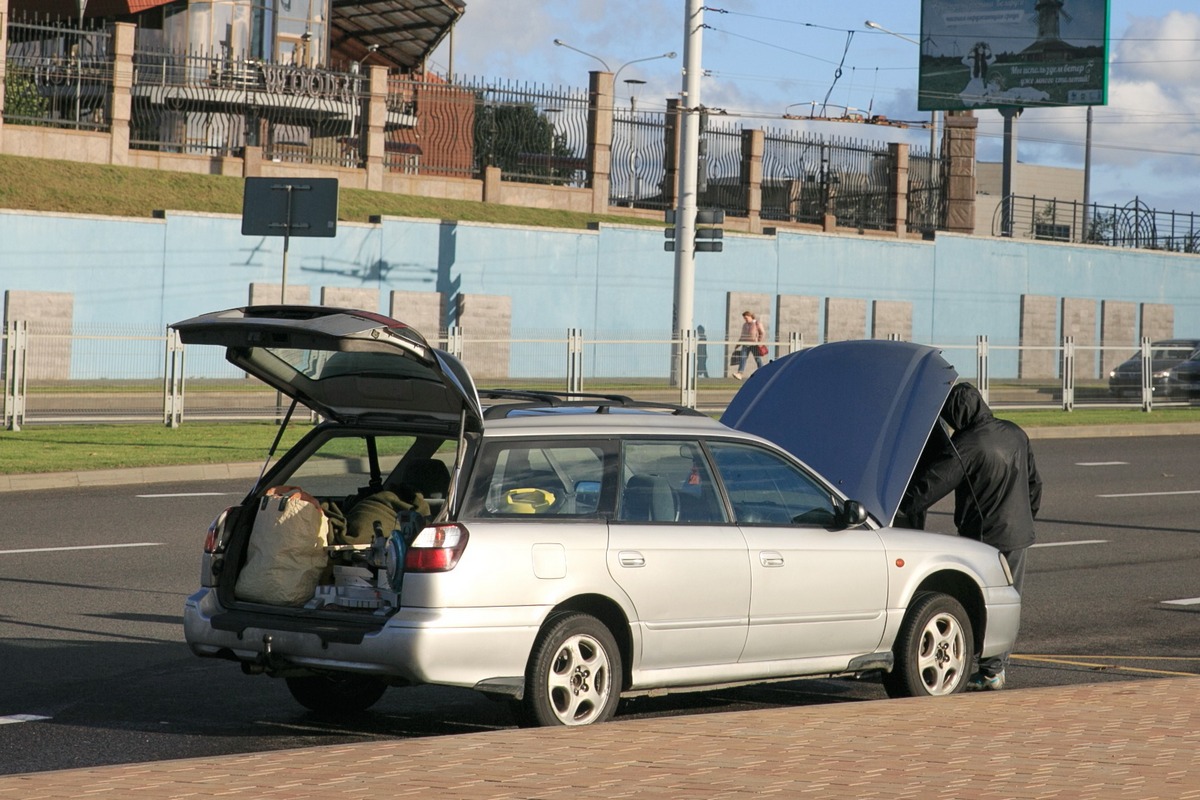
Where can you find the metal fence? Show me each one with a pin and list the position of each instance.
(107, 374)
(58, 75)
(533, 133)
(202, 104)
(639, 160)
(1133, 225)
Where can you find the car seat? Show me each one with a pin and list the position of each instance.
(649, 498)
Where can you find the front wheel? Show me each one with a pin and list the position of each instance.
(933, 650)
(336, 694)
(574, 675)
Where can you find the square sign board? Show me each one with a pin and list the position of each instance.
(290, 207)
(1013, 54)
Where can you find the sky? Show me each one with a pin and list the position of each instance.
(766, 58)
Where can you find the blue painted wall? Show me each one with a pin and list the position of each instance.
(613, 282)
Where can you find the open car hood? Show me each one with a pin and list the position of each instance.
(858, 412)
(344, 364)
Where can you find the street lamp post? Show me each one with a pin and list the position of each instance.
(79, 68)
(933, 121)
(634, 177)
(631, 83)
(356, 105)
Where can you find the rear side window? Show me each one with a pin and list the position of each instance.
(539, 479)
(765, 489)
(668, 481)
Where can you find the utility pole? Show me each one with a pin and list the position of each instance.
(685, 211)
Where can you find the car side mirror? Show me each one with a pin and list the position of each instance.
(853, 514)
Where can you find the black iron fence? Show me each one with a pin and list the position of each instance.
(202, 104)
(58, 75)
(1134, 225)
(639, 159)
(533, 133)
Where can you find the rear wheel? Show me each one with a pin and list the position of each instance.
(336, 694)
(574, 675)
(933, 650)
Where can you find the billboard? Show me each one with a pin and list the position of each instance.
(1013, 53)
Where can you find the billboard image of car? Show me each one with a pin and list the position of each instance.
(1013, 53)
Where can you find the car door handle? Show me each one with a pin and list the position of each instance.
(769, 558)
(631, 558)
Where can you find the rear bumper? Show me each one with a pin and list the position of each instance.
(452, 647)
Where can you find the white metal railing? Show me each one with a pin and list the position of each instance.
(109, 375)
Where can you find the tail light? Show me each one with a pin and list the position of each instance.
(437, 548)
(214, 542)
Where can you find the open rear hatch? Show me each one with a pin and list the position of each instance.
(346, 365)
(379, 378)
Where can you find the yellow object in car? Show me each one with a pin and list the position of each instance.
(528, 501)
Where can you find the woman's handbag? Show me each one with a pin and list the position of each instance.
(761, 349)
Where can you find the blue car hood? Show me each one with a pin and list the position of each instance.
(857, 412)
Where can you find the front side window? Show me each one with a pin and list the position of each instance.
(766, 489)
(540, 479)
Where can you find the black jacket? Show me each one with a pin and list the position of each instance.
(997, 489)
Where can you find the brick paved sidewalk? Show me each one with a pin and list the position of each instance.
(1138, 740)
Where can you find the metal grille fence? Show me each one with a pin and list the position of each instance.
(639, 152)
(926, 191)
(807, 176)
(1134, 225)
(57, 75)
(122, 374)
(532, 133)
(215, 105)
(720, 179)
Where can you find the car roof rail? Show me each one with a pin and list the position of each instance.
(530, 400)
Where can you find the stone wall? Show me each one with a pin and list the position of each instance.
(1039, 328)
(489, 317)
(50, 316)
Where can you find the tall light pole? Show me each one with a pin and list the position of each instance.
(933, 121)
(561, 43)
(356, 106)
(79, 68)
(634, 183)
(617, 74)
(685, 208)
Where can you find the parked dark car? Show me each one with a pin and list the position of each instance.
(1126, 379)
(1184, 378)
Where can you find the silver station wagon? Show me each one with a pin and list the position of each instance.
(565, 551)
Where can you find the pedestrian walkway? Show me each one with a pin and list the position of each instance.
(1137, 740)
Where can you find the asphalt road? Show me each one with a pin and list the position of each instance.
(93, 669)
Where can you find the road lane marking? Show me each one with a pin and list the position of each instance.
(1151, 494)
(1101, 463)
(185, 494)
(80, 547)
(1074, 661)
(1069, 544)
(1191, 601)
(12, 718)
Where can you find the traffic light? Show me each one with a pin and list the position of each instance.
(707, 240)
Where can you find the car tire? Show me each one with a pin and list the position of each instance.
(574, 674)
(336, 694)
(934, 649)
